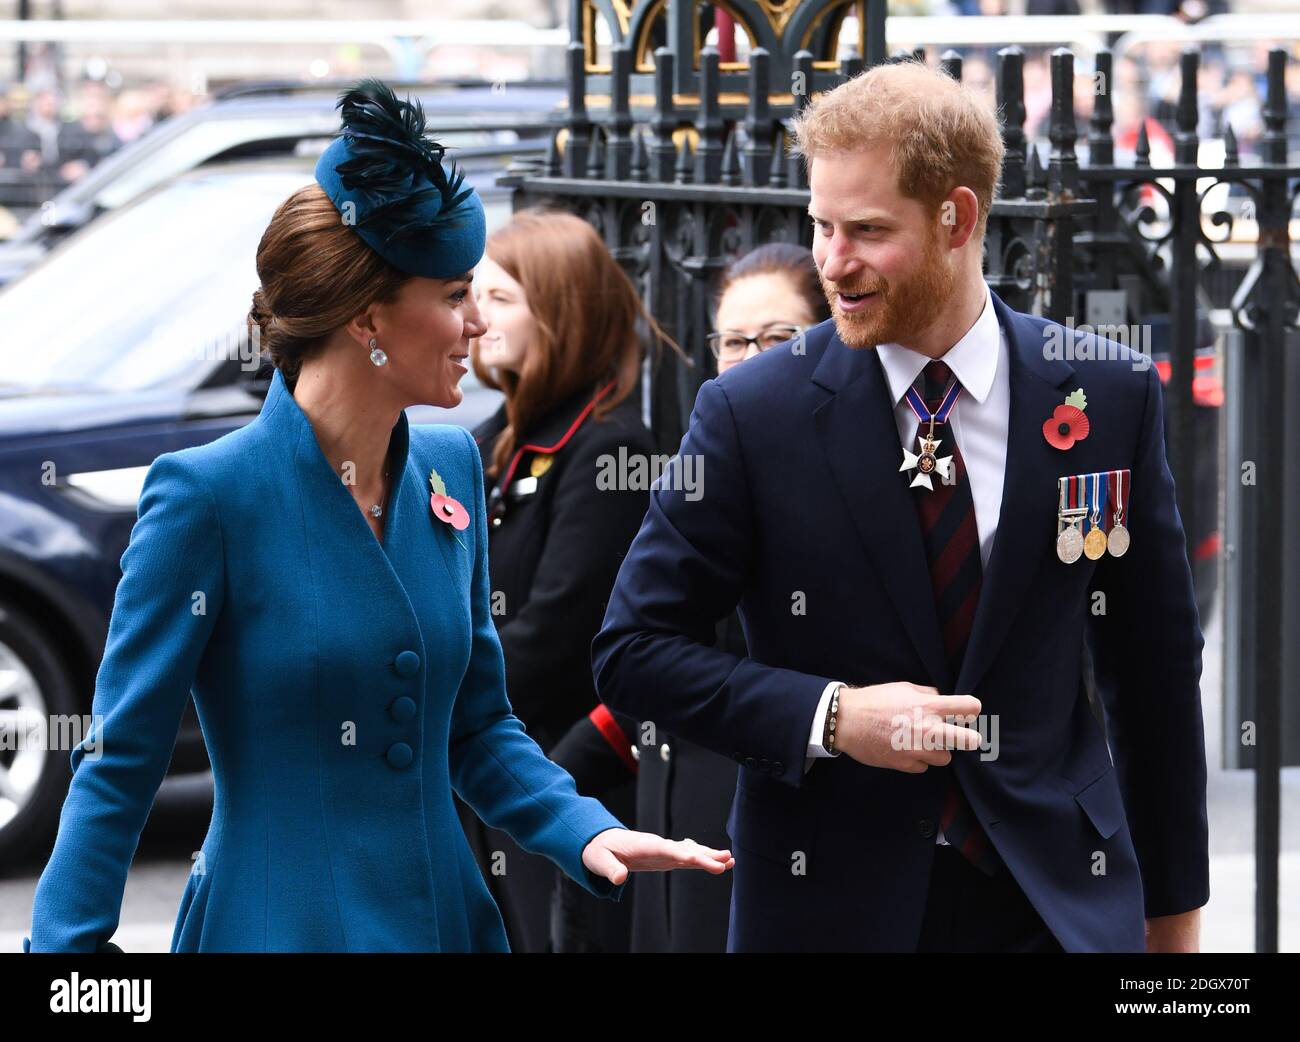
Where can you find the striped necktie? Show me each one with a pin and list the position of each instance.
(952, 548)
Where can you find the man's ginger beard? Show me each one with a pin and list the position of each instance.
(905, 307)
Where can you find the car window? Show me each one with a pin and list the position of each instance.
(153, 294)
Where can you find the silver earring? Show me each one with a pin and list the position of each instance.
(376, 355)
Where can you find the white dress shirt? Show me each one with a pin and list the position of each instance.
(979, 422)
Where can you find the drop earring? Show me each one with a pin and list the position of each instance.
(376, 355)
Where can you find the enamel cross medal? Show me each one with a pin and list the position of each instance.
(926, 462)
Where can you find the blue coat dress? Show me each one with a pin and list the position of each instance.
(345, 688)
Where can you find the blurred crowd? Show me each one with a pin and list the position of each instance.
(1231, 86)
(1187, 10)
(51, 134)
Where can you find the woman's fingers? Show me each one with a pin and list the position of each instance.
(647, 852)
(708, 858)
(686, 853)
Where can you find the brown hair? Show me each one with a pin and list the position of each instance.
(316, 273)
(941, 133)
(586, 312)
(790, 259)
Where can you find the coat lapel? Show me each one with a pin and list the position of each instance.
(1026, 521)
(859, 437)
(335, 526)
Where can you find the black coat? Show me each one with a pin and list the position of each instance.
(682, 790)
(555, 553)
(553, 556)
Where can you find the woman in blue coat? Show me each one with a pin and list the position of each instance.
(319, 579)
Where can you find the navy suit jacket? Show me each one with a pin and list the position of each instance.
(806, 523)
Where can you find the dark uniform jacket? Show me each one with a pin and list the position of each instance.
(558, 534)
(682, 790)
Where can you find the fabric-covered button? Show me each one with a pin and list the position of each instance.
(402, 709)
(400, 755)
(407, 664)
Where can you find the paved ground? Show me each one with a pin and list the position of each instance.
(184, 806)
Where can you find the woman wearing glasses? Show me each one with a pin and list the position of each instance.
(765, 298)
(764, 301)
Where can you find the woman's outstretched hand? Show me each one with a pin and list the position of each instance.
(616, 852)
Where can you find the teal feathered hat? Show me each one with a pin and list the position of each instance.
(388, 182)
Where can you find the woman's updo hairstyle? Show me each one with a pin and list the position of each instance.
(316, 275)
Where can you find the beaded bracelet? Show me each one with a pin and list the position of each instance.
(828, 735)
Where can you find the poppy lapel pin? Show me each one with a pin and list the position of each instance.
(1067, 424)
(446, 508)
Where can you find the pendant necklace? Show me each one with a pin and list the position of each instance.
(377, 509)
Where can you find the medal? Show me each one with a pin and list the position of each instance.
(927, 461)
(1095, 542)
(1118, 540)
(1069, 540)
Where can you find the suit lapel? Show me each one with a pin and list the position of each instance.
(858, 434)
(1026, 521)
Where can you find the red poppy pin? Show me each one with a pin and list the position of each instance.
(1067, 424)
(446, 508)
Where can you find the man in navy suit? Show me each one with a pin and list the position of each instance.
(922, 768)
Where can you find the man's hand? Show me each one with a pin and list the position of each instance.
(903, 726)
(1175, 933)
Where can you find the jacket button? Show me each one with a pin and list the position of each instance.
(407, 664)
(750, 762)
(777, 766)
(926, 827)
(402, 709)
(400, 755)
(664, 752)
(763, 765)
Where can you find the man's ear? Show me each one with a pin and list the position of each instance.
(958, 215)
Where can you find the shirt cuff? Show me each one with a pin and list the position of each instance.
(815, 748)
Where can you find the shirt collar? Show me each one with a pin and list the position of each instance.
(973, 359)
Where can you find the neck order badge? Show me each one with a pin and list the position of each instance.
(926, 462)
